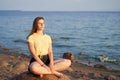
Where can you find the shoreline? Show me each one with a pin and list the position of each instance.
(12, 64)
(87, 62)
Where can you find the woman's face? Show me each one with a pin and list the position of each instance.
(40, 24)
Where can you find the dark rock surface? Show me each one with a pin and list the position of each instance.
(29, 76)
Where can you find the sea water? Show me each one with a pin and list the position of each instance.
(93, 33)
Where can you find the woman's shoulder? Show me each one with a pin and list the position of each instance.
(46, 35)
(31, 36)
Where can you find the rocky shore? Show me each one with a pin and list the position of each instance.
(13, 64)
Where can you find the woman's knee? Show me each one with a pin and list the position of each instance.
(33, 67)
(67, 62)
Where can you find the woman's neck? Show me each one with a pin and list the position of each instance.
(39, 32)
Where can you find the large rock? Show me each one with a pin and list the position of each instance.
(29, 76)
(20, 66)
(3, 63)
(69, 55)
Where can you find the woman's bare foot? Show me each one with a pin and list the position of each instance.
(41, 75)
(58, 74)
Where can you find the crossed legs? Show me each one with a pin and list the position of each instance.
(59, 65)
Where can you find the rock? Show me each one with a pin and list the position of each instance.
(111, 77)
(90, 63)
(81, 53)
(100, 66)
(20, 66)
(97, 75)
(77, 61)
(4, 63)
(69, 55)
(29, 76)
(5, 49)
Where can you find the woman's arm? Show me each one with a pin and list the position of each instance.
(32, 50)
(50, 53)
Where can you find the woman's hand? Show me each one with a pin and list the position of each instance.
(52, 68)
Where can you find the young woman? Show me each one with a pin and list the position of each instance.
(40, 46)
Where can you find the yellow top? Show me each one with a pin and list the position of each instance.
(41, 43)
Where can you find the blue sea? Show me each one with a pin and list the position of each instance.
(93, 33)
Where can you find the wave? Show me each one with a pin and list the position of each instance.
(67, 38)
(98, 58)
(63, 45)
(20, 41)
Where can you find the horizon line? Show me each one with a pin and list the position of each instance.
(63, 10)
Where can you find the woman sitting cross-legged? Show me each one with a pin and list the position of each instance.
(40, 46)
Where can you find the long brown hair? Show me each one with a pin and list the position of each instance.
(34, 26)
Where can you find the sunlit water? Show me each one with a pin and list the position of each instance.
(93, 33)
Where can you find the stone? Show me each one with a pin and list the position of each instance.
(81, 53)
(20, 66)
(29, 76)
(69, 55)
(111, 77)
(97, 75)
(100, 66)
(3, 63)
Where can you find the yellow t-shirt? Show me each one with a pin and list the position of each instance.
(41, 43)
